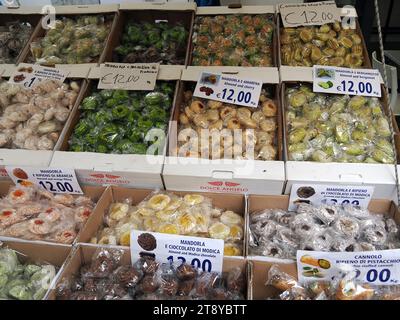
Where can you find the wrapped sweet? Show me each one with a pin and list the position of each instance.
(21, 280)
(336, 128)
(233, 40)
(279, 234)
(35, 214)
(118, 121)
(328, 44)
(160, 42)
(215, 130)
(166, 282)
(13, 38)
(33, 119)
(72, 41)
(191, 214)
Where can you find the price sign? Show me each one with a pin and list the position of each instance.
(309, 14)
(319, 194)
(137, 76)
(29, 75)
(51, 179)
(369, 267)
(202, 253)
(228, 89)
(363, 82)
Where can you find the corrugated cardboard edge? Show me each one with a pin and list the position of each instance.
(166, 72)
(86, 9)
(159, 6)
(21, 10)
(241, 10)
(265, 74)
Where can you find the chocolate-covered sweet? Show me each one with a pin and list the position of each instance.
(102, 266)
(147, 241)
(185, 272)
(205, 281)
(128, 276)
(235, 281)
(169, 286)
(84, 295)
(149, 284)
(185, 287)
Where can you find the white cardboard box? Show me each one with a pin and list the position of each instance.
(381, 176)
(37, 158)
(139, 171)
(230, 176)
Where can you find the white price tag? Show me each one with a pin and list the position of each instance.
(202, 253)
(355, 82)
(137, 76)
(29, 75)
(309, 14)
(318, 194)
(228, 89)
(372, 267)
(55, 180)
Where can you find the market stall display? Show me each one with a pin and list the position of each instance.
(344, 287)
(34, 119)
(117, 121)
(23, 280)
(14, 35)
(336, 128)
(166, 212)
(234, 40)
(158, 42)
(35, 214)
(280, 233)
(328, 44)
(105, 278)
(73, 40)
(257, 128)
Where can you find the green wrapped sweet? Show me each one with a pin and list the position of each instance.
(336, 128)
(73, 40)
(117, 121)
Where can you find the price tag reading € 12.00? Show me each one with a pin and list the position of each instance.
(54, 180)
(137, 76)
(202, 253)
(309, 14)
(363, 82)
(229, 89)
(29, 75)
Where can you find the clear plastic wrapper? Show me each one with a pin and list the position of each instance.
(165, 212)
(328, 44)
(279, 234)
(33, 214)
(336, 128)
(72, 41)
(33, 119)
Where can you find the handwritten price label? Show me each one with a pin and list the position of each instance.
(138, 76)
(309, 14)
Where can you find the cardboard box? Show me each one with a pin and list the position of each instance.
(92, 192)
(40, 158)
(110, 12)
(113, 169)
(258, 203)
(381, 176)
(41, 253)
(234, 202)
(31, 15)
(150, 12)
(286, 72)
(83, 253)
(227, 176)
(238, 9)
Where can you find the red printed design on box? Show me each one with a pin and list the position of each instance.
(224, 186)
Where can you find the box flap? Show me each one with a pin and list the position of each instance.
(296, 74)
(266, 74)
(159, 6)
(166, 72)
(108, 162)
(8, 70)
(85, 9)
(21, 10)
(76, 70)
(232, 10)
(17, 157)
